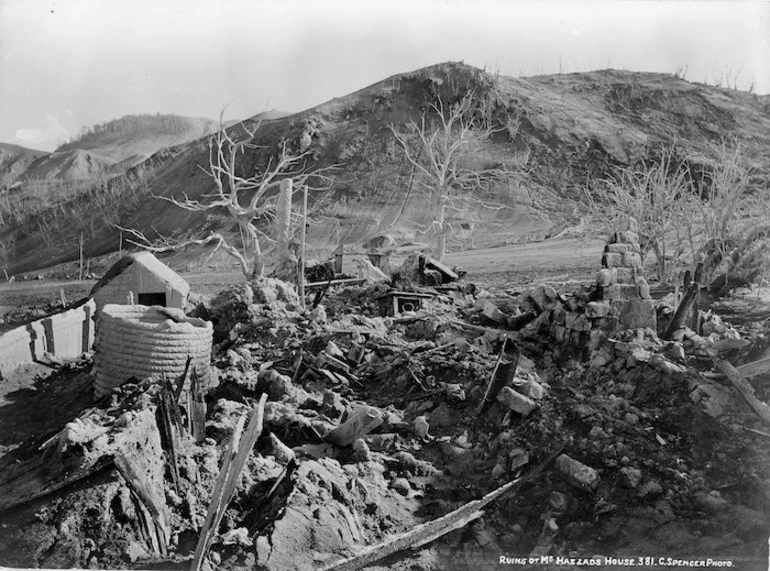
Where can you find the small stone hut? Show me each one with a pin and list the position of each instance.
(145, 278)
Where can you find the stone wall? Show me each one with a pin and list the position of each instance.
(620, 301)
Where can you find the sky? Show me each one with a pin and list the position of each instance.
(69, 64)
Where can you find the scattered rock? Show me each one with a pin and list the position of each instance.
(631, 476)
(515, 401)
(650, 490)
(577, 473)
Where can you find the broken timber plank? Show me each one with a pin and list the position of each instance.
(684, 307)
(755, 368)
(197, 408)
(432, 530)
(746, 390)
(502, 375)
(232, 465)
(332, 283)
(129, 465)
(32, 480)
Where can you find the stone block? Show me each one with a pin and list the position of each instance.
(581, 323)
(636, 314)
(625, 275)
(609, 323)
(631, 476)
(577, 473)
(559, 332)
(612, 260)
(632, 260)
(558, 315)
(628, 237)
(618, 248)
(596, 309)
(491, 311)
(543, 296)
(629, 291)
(644, 291)
(605, 277)
(532, 389)
(611, 292)
(517, 402)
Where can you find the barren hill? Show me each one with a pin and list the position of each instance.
(14, 160)
(133, 138)
(556, 134)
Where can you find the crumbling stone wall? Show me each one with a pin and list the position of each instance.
(621, 299)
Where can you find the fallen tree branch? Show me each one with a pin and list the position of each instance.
(430, 531)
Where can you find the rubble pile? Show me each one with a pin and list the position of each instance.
(380, 418)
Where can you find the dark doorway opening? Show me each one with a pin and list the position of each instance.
(152, 299)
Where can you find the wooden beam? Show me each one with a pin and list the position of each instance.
(331, 283)
(755, 368)
(746, 390)
(432, 530)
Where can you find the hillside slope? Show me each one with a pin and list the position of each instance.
(14, 160)
(557, 134)
(70, 165)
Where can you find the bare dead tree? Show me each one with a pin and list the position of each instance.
(247, 199)
(443, 148)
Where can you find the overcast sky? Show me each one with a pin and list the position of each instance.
(73, 63)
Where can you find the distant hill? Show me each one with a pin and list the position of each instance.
(560, 133)
(133, 138)
(14, 160)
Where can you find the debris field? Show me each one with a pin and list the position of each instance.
(411, 422)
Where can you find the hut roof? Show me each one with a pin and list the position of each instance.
(151, 263)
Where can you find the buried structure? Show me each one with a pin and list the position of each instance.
(518, 424)
(141, 278)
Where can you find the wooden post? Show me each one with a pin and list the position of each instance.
(502, 375)
(80, 270)
(303, 236)
(282, 224)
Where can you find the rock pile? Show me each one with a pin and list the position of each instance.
(621, 285)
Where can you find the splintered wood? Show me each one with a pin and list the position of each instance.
(151, 510)
(232, 465)
(432, 530)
